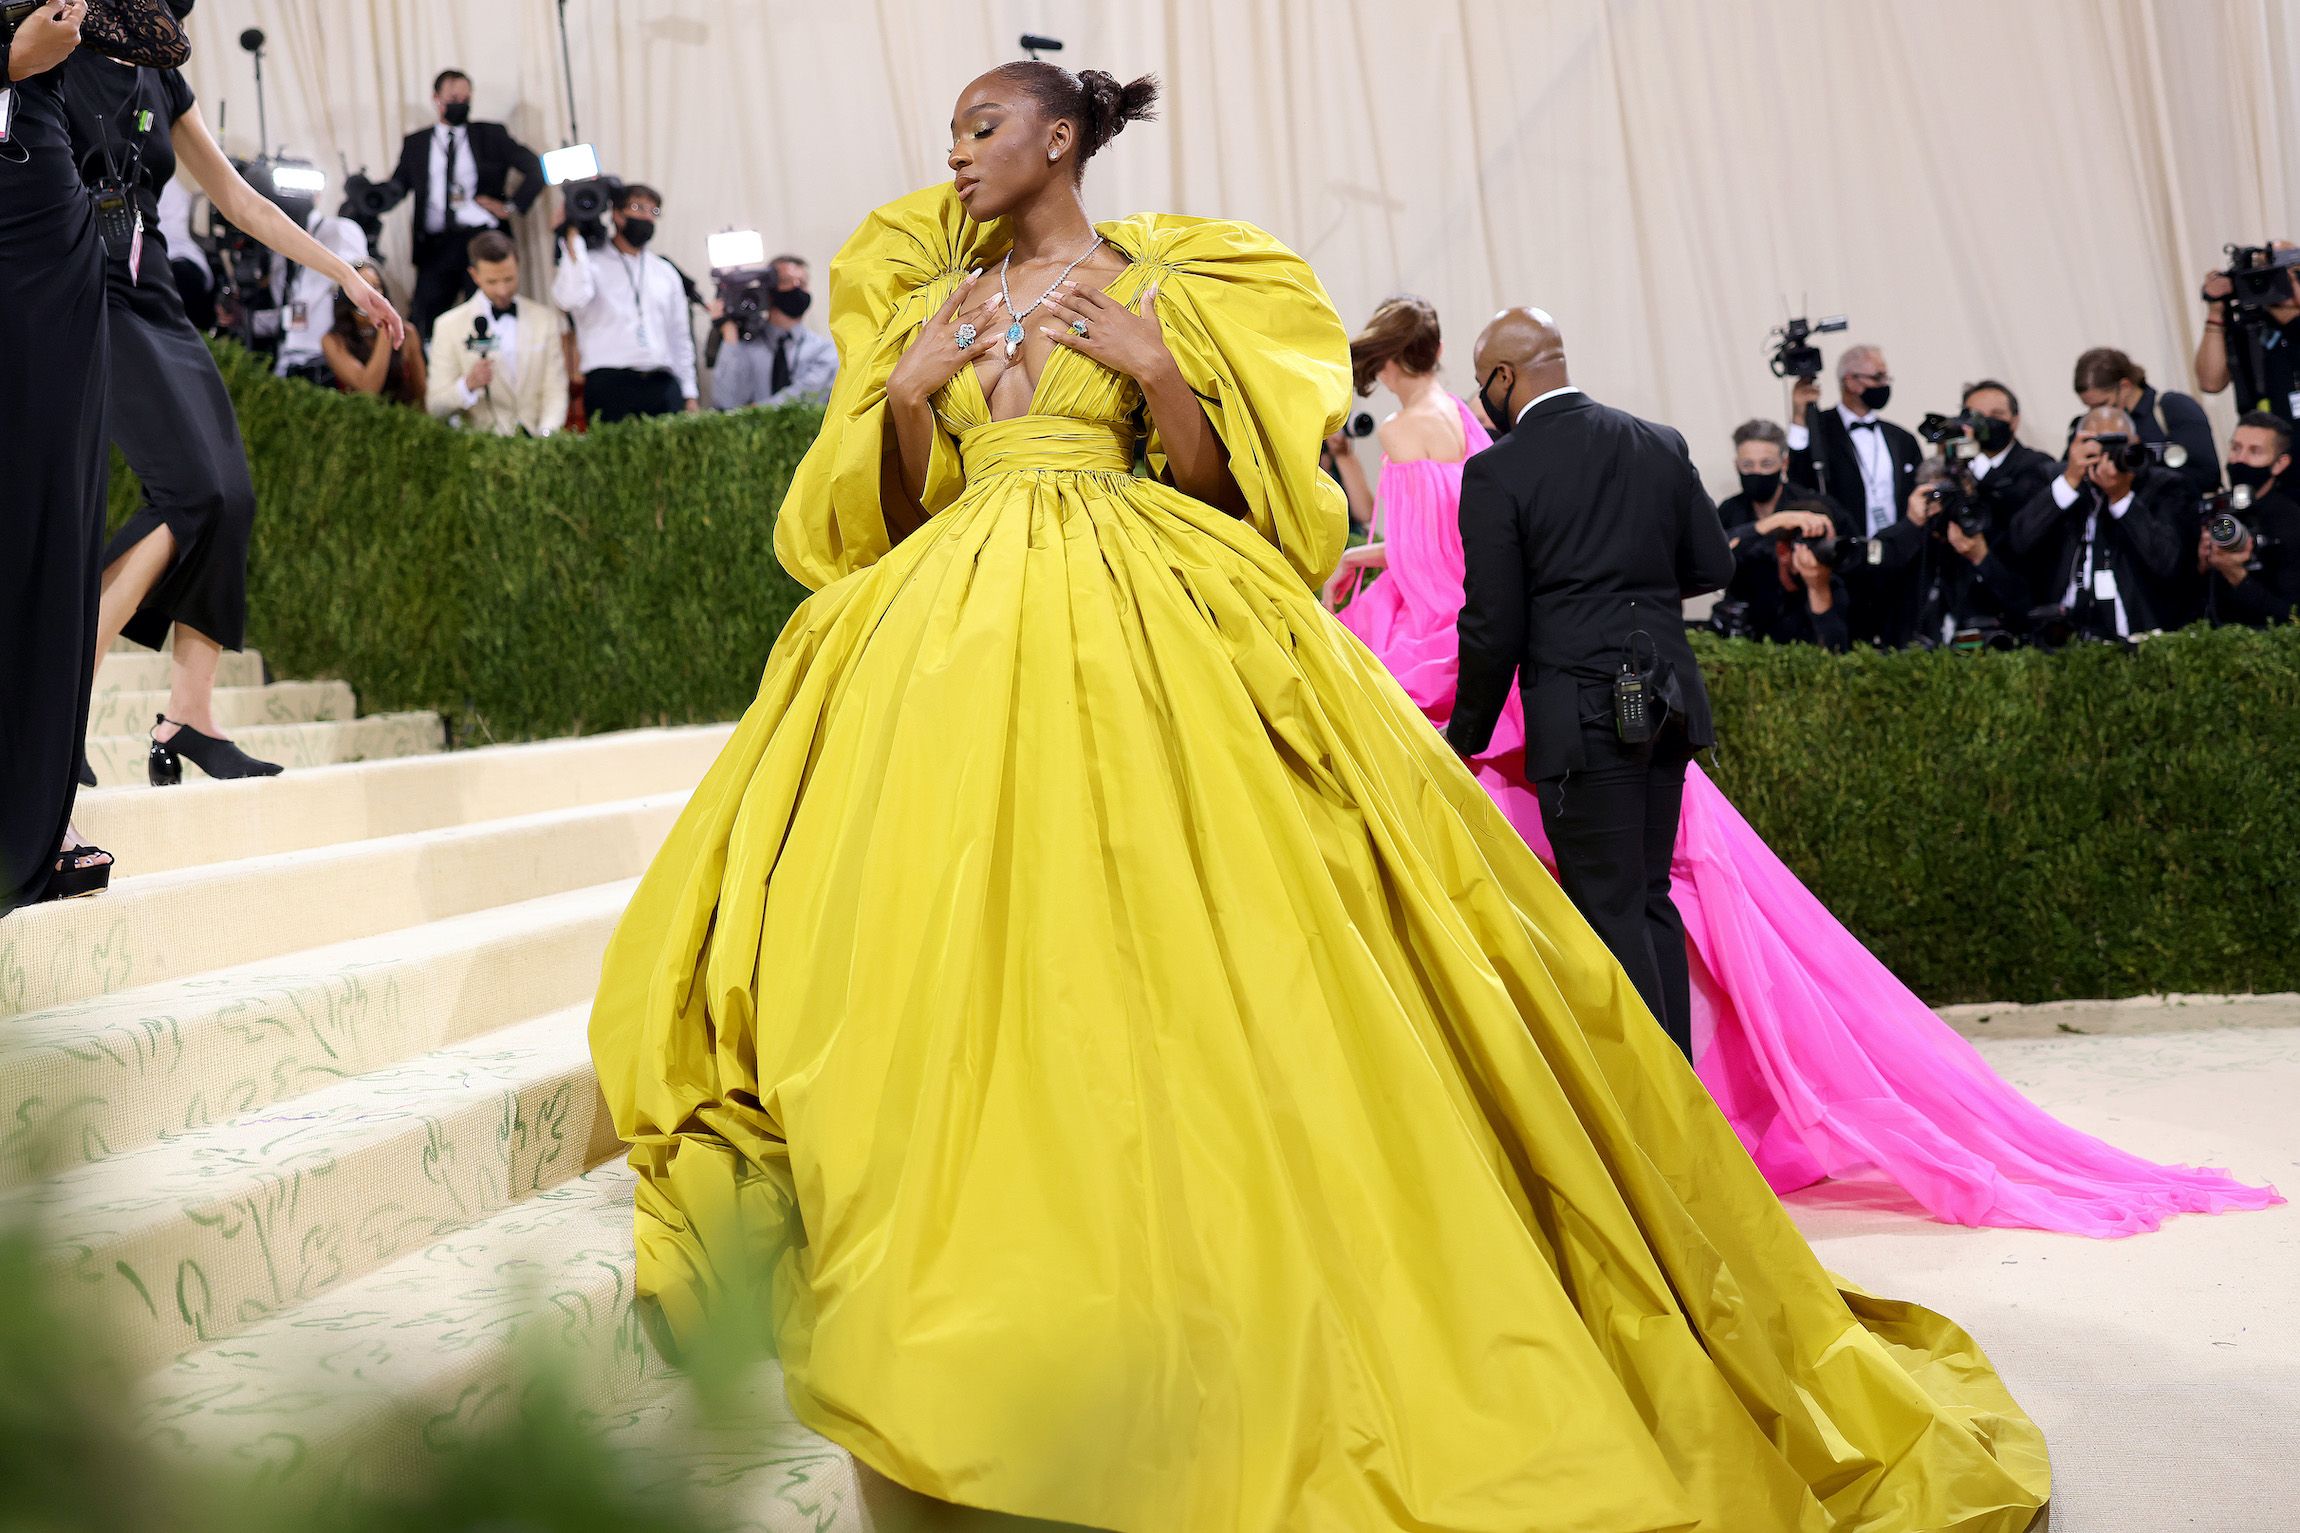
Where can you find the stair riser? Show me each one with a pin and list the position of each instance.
(204, 822)
(119, 760)
(91, 1082)
(141, 670)
(236, 708)
(209, 1267)
(169, 925)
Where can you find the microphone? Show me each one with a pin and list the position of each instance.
(482, 337)
(253, 39)
(1034, 45)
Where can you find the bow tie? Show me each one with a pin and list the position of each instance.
(510, 313)
(1871, 425)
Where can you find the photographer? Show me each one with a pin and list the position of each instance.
(1781, 591)
(2105, 530)
(2253, 577)
(1969, 584)
(2254, 345)
(495, 364)
(630, 314)
(458, 175)
(1868, 465)
(2107, 378)
(769, 358)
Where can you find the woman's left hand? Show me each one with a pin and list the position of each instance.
(379, 311)
(1116, 336)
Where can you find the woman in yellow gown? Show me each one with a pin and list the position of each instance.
(1171, 1096)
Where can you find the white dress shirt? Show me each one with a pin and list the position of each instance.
(1876, 466)
(630, 312)
(454, 183)
(1981, 466)
(313, 301)
(2086, 570)
(1544, 399)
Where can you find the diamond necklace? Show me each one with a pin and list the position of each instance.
(1014, 326)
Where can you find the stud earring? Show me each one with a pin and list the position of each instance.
(1052, 155)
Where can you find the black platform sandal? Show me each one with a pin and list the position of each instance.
(80, 872)
(218, 758)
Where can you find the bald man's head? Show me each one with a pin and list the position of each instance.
(1520, 357)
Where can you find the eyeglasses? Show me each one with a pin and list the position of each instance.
(1870, 377)
(642, 210)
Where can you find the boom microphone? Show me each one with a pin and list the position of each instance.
(1034, 45)
(253, 39)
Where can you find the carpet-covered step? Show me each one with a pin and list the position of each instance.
(357, 1385)
(155, 927)
(143, 670)
(237, 708)
(747, 1464)
(119, 759)
(191, 1240)
(219, 821)
(109, 1075)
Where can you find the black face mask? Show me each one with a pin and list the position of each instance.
(1991, 435)
(1876, 396)
(638, 231)
(456, 113)
(792, 302)
(1760, 488)
(2250, 476)
(1498, 414)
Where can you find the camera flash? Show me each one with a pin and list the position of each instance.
(576, 162)
(732, 248)
(305, 180)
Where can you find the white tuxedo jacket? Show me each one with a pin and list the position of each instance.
(534, 397)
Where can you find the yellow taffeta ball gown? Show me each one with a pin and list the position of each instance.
(1175, 1099)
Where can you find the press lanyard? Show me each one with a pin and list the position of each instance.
(634, 272)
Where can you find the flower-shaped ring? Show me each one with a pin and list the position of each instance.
(967, 336)
(1078, 328)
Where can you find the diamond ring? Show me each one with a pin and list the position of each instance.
(967, 336)
(1078, 327)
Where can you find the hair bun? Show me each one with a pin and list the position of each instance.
(1110, 106)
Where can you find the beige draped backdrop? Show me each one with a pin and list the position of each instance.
(1985, 187)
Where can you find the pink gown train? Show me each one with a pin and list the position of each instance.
(1824, 1063)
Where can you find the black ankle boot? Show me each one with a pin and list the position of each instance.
(218, 758)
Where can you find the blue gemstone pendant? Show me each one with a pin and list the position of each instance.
(1013, 337)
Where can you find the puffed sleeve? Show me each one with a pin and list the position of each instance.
(1259, 342)
(888, 278)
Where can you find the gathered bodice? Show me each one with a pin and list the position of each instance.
(1083, 417)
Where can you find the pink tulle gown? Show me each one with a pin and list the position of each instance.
(1826, 1065)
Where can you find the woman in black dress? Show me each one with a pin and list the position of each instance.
(363, 363)
(53, 373)
(182, 560)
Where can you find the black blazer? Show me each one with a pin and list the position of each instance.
(495, 154)
(1829, 448)
(1582, 525)
(2144, 543)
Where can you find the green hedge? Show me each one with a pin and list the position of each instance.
(1996, 827)
(2029, 826)
(524, 589)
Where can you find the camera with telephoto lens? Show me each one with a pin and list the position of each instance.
(1731, 619)
(2225, 524)
(1358, 423)
(745, 295)
(366, 201)
(1793, 354)
(2261, 277)
(2132, 454)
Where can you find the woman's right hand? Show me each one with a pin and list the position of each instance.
(46, 38)
(934, 356)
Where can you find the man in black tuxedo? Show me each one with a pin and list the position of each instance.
(2107, 534)
(1583, 530)
(1868, 465)
(458, 175)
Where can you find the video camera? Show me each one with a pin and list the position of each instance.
(366, 201)
(585, 195)
(1957, 438)
(1793, 356)
(2260, 277)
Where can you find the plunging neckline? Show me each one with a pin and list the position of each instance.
(973, 371)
